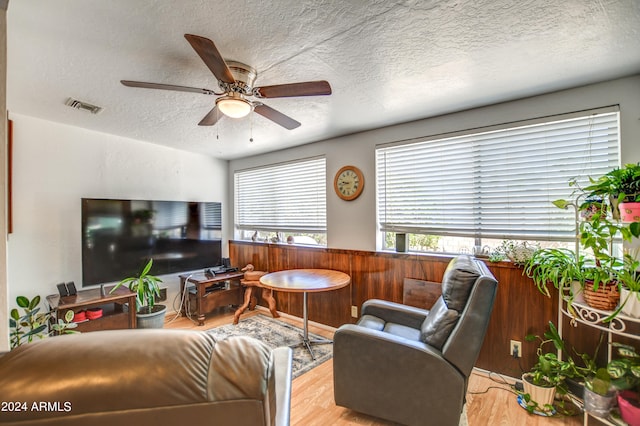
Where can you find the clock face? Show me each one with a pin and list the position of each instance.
(349, 183)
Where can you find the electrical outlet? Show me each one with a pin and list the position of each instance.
(515, 349)
(354, 311)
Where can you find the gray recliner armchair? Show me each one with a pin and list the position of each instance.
(411, 365)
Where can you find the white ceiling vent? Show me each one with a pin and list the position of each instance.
(74, 103)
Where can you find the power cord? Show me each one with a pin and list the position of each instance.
(500, 380)
(185, 302)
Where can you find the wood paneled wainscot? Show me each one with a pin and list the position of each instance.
(519, 308)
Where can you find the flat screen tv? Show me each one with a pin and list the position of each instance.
(120, 236)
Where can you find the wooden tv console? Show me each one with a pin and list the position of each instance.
(207, 296)
(118, 309)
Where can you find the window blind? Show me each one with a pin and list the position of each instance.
(289, 197)
(495, 184)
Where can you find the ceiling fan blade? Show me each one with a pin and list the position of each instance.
(211, 118)
(211, 57)
(276, 116)
(146, 85)
(308, 88)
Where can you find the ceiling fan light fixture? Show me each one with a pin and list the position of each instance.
(234, 106)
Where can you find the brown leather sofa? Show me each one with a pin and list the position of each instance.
(145, 377)
(411, 365)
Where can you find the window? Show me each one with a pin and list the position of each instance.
(497, 184)
(282, 201)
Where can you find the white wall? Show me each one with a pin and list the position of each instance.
(4, 290)
(352, 225)
(56, 165)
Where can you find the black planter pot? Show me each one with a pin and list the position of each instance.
(575, 387)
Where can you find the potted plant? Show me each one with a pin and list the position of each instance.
(33, 324)
(622, 188)
(561, 267)
(620, 185)
(145, 285)
(517, 252)
(599, 393)
(628, 277)
(593, 273)
(548, 375)
(625, 374)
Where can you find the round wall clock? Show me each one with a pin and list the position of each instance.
(348, 183)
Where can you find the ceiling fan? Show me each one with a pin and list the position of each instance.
(236, 81)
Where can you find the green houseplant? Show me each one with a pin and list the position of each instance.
(621, 186)
(625, 375)
(145, 285)
(558, 267)
(629, 278)
(516, 252)
(599, 393)
(32, 324)
(549, 374)
(592, 268)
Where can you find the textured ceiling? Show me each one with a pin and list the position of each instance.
(388, 62)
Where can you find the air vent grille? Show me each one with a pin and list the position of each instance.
(84, 106)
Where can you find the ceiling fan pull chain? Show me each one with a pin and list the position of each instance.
(251, 127)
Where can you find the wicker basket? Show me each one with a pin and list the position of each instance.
(606, 297)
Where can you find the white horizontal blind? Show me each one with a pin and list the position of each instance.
(497, 184)
(289, 197)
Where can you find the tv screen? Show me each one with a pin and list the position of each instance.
(120, 236)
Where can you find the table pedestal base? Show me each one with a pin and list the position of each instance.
(308, 342)
(305, 334)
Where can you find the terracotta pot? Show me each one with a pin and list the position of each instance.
(629, 405)
(629, 212)
(543, 396)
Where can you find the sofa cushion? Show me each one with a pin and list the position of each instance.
(458, 280)
(438, 325)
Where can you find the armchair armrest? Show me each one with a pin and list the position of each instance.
(395, 312)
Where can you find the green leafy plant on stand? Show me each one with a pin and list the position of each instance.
(550, 371)
(34, 325)
(600, 383)
(625, 371)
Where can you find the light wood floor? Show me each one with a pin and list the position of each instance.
(488, 402)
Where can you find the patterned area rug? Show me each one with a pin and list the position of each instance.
(277, 333)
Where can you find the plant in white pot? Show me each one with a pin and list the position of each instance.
(560, 267)
(629, 279)
(145, 285)
(547, 376)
